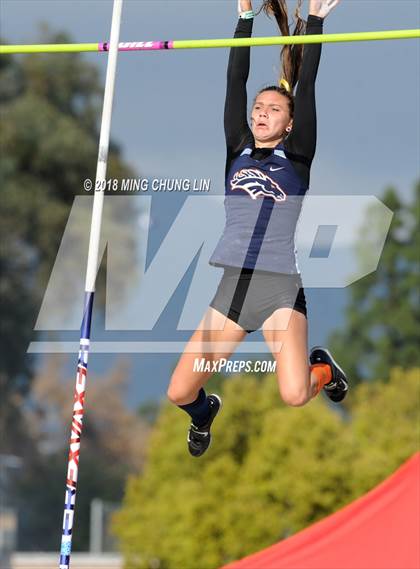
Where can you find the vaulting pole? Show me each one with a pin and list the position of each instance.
(92, 266)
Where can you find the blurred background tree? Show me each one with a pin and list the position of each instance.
(50, 108)
(382, 328)
(114, 440)
(49, 114)
(270, 472)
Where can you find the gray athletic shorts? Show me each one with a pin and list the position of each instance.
(249, 297)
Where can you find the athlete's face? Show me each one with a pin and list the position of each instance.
(270, 118)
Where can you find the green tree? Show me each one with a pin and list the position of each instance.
(385, 423)
(270, 472)
(382, 328)
(50, 109)
(113, 446)
(49, 115)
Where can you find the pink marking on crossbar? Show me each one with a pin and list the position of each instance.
(138, 45)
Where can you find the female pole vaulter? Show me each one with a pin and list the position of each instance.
(267, 175)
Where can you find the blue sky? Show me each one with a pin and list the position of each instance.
(171, 103)
(168, 106)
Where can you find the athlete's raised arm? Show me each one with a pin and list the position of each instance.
(302, 140)
(235, 115)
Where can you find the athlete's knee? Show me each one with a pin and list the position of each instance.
(180, 395)
(294, 397)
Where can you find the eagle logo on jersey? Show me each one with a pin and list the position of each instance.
(257, 184)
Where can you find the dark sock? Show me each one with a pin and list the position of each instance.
(198, 410)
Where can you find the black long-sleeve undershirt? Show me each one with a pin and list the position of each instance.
(300, 144)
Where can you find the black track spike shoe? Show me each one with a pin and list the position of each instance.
(199, 438)
(337, 388)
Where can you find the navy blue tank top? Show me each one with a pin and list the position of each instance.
(263, 201)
